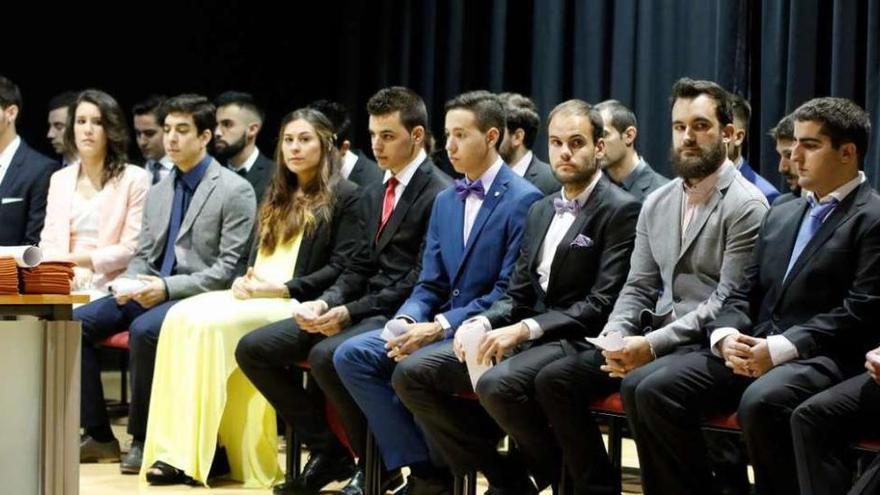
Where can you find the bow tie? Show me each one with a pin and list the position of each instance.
(463, 189)
(563, 206)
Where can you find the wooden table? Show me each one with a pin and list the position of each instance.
(39, 394)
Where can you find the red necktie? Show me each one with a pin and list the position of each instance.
(387, 204)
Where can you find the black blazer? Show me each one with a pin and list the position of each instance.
(830, 302)
(584, 281)
(541, 176)
(260, 174)
(643, 181)
(23, 196)
(384, 272)
(324, 253)
(365, 171)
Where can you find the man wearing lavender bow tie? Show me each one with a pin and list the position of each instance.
(572, 263)
(472, 244)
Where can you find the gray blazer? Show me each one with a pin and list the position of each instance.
(674, 288)
(213, 240)
(642, 181)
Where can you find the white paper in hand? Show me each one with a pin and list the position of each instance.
(471, 336)
(125, 286)
(304, 312)
(394, 328)
(612, 341)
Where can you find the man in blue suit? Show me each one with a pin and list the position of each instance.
(742, 112)
(472, 244)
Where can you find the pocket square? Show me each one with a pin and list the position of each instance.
(6, 201)
(581, 241)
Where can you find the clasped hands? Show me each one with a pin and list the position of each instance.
(746, 355)
(327, 321)
(494, 344)
(151, 294)
(252, 286)
(636, 352)
(872, 364)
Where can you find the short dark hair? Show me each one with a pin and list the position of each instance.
(202, 110)
(842, 120)
(582, 109)
(521, 113)
(152, 105)
(689, 88)
(486, 107)
(62, 100)
(115, 128)
(742, 109)
(242, 99)
(9, 94)
(338, 116)
(622, 117)
(413, 112)
(784, 129)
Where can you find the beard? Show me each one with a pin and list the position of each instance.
(224, 152)
(708, 161)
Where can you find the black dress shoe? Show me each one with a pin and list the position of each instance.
(321, 470)
(131, 463)
(427, 486)
(91, 450)
(357, 483)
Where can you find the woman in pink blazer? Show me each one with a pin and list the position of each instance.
(94, 208)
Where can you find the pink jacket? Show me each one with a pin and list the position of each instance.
(120, 220)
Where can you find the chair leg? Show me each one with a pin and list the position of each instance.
(471, 483)
(615, 448)
(372, 467)
(294, 454)
(459, 485)
(123, 385)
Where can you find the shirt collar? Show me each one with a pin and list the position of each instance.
(630, 179)
(405, 175)
(194, 176)
(699, 192)
(585, 194)
(841, 192)
(7, 154)
(246, 166)
(349, 160)
(522, 166)
(489, 175)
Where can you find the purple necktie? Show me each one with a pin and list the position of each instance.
(463, 189)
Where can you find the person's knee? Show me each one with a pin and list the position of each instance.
(553, 386)
(759, 411)
(247, 352)
(494, 389)
(407, 375)
(321, 358)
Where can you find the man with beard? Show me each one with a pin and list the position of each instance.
(519, 138)
(239, 121)
(783, 134)
(573, 262)
(693, 238)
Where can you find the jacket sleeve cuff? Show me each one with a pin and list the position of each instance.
(717, 336)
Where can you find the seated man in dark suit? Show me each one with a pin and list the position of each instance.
(573, 262)
(364, 296)
(519, 138)
(824, 427)
(783, 136)
(355, 166)
(472, 243)
(149, 136)
(239, 121)
(621, 163)
(57, 121)
(24, 176)
(742, 113)
(194, 238)
(801, 321)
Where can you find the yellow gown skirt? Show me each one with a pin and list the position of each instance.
(200, 397)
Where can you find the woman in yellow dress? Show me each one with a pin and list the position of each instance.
(309, 225)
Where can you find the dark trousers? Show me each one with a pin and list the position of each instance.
(823, 428)
(101, 319)
(268, 355)
(672, 403)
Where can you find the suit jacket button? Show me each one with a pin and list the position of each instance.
(676, 299)
(455, 292)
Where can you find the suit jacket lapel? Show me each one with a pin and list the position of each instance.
(203, 191)
(706, 210)
(586, 213)
(545, 218)
(13, 172)
(416, 184)
(490, 201)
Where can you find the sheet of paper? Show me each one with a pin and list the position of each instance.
(394, 328)
(612, 341)
(471, 336)
(124, 286)
(25, 256)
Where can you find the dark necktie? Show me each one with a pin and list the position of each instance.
(169, 259)
(562, 206)
(387, 204)
(156, 168)
(464, 188)
(242, 173)
(815, 216)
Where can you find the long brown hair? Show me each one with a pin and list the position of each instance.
(115, 128)
(290, 208)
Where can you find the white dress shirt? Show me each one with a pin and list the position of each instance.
(404, 176)
(781, 349)
(246, 166)
(522, 166)
(348, 163)
(6, 156)
(473, 203)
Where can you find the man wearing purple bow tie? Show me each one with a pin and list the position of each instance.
(472, 243)
(572, 263)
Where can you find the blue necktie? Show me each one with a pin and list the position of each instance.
(562, 206)
(815, 216)
(169, 260)
(463, 189)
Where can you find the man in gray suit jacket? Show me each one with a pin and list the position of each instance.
(194, 236)
(693, 238)
(519, 137)
(621, 163)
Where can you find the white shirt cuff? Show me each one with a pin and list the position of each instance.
(444, 323)
(717, 336)
(535, 330)
(478, 320)
(781, 349)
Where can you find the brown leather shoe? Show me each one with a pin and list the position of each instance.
(91, 450)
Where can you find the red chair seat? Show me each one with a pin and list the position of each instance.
(726, 421)
(117, 341)
(610, 404)
(873, 444)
